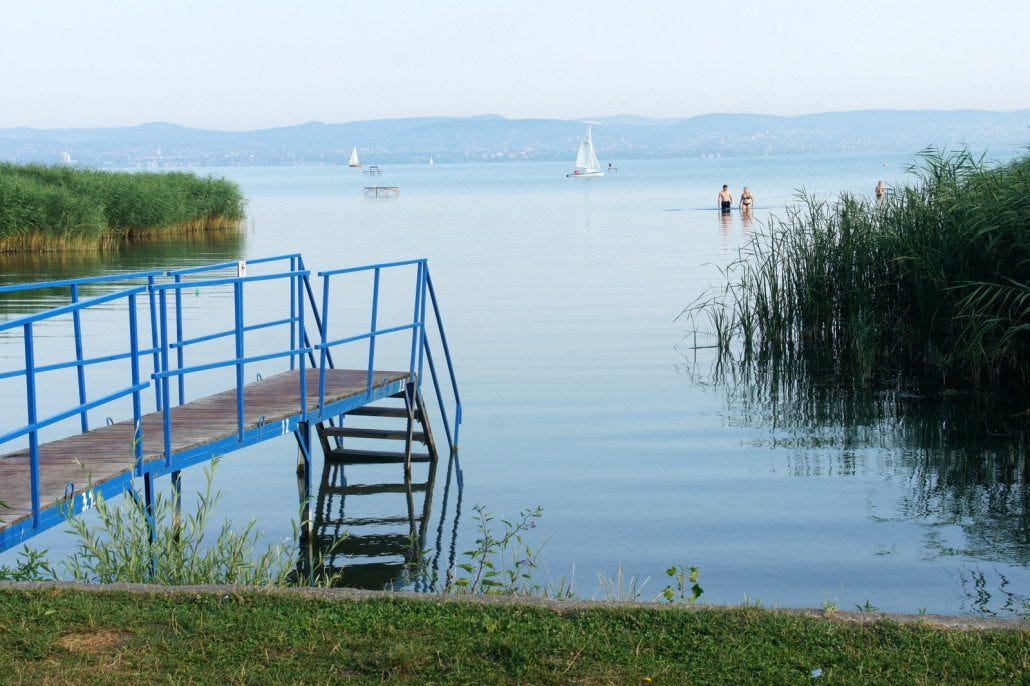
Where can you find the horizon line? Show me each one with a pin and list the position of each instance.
(597, 120)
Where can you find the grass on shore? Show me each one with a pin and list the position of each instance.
(62, 636)
(46, 208)
(931, 284)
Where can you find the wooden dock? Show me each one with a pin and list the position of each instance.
(89, 460)
(382, 191)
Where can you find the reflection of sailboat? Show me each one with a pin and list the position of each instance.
(586, 159)
(369, 531)
(354, 158)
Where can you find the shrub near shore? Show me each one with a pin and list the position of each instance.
(45, 208)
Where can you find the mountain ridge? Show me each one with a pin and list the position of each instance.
(491, 137)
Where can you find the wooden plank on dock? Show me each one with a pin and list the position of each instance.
(106, 453)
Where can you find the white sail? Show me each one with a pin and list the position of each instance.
(583, 156)
(354, 158)
(586, 158)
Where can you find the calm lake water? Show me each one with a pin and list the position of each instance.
(560, 299)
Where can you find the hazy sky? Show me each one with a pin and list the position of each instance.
(234, 64)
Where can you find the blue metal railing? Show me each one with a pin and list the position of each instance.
(169, 352)
(238, 333)
(30, 371)
(75, 286)
(420, 348)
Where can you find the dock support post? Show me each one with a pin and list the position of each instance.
(177, 504)
(303, 434)
(409, 401)
(148, 502)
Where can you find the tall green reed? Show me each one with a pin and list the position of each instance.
(45, 207)
(931, 284)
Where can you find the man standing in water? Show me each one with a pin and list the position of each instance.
(725, 200)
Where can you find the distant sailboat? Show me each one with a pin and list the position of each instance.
(586, 159)
(430, 160)
(354, 158)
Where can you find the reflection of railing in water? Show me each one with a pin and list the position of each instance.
(360, 541)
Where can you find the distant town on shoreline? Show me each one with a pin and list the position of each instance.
(493, 138)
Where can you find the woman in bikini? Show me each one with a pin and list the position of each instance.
(746, 200)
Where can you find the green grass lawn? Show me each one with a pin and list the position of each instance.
(61, 636)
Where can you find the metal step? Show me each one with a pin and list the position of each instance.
(368, 521)
(369, 575)
(372, 545)
(380, 411)
(369, 489)
(350, 456)
(383, 434)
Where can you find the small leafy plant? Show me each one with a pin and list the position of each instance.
(500, 564)
(683, 592)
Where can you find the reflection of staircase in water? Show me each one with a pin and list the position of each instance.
(371, 518)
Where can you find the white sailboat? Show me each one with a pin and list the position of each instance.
(586, 159)
(354, 158)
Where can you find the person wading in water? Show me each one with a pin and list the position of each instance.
(725, 201)
(746, 201)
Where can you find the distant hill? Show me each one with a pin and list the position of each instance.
(496, 138)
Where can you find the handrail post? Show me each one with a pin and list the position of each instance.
(422, 324)
(166, 410)
(414, 318)
(137, 412)
(296, 300)
(238, 307)
(372, 331)
(447, 357)
(30, 394)
(80, 372)
(324, 345)
(154, 338)
(178, 340)
(293, 311)
(439, 399)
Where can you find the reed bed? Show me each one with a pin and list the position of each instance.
(46, 208)
(930, 284)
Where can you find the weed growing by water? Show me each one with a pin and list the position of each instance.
(502, 564)
(127, 546)
(682, 592)
(619, 587)
(31, 565)
(505, 563)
